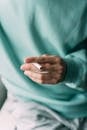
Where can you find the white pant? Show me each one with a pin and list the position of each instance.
(18, 115)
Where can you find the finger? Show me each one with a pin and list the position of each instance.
(35, 80)
(52, 81)
(43, 59)
(25, 67)
(52, 67)
(39, 76)
(27, 59)
(29, 66)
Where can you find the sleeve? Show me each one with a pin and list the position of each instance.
(76, 59)
(76, 74)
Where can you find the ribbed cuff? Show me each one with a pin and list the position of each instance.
(74, 74)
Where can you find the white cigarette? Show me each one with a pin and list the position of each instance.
(39, 67)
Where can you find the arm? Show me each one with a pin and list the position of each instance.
(76, 76)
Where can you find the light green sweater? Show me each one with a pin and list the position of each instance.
(55, 27)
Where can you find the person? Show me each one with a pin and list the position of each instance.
(52, 34)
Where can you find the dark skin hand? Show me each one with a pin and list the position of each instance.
(54, 65)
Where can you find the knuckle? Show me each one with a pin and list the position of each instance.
(41, 77)
(61, 61)
(54, 81)
(59, 78)
(57, 59)
(42, 81)
(61, 67)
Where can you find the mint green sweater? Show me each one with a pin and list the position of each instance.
(55, 27)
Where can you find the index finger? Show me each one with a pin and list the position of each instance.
(43, 59)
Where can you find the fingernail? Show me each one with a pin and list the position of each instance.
(25, 73)
(21, 67)
(25, 60)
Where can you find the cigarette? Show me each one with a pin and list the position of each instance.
(38, 66)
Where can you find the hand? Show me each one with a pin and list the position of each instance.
(54, 65)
